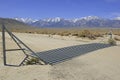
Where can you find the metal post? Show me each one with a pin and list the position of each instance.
(14, 37)
(16, 41)
(4, 46)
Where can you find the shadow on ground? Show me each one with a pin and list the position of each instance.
(62, 54)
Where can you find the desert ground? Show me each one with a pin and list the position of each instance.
(102, 64)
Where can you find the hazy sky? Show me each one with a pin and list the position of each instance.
(37, 9)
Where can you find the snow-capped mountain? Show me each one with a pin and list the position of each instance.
(26, 20)
(90, 18)
(117, 18)
(56, 19)
(86, 18)
(89, 21)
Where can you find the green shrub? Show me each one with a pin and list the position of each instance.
(111, 41)
(32, 61)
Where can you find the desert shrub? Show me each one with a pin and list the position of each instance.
(98, 35)
(111, 41)
(84, 33)
(74, 34)
(118, 34)
(53, 33)
(81, 35)
(64, 33)
(87, 34)
(67, 34)
(43, 32)
(32, 61)
(92, 37)
(117, 39)
(29, 32)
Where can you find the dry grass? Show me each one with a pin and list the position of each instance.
(85, 33)
(117, 39)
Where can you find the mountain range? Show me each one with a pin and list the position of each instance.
(14, 24)
(83, 22)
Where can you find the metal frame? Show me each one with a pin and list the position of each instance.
(18, 42)
(4, 46)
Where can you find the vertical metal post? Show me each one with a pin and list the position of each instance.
(4, 46)
(16, 41)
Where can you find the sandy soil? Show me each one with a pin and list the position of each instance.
(102, 64)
